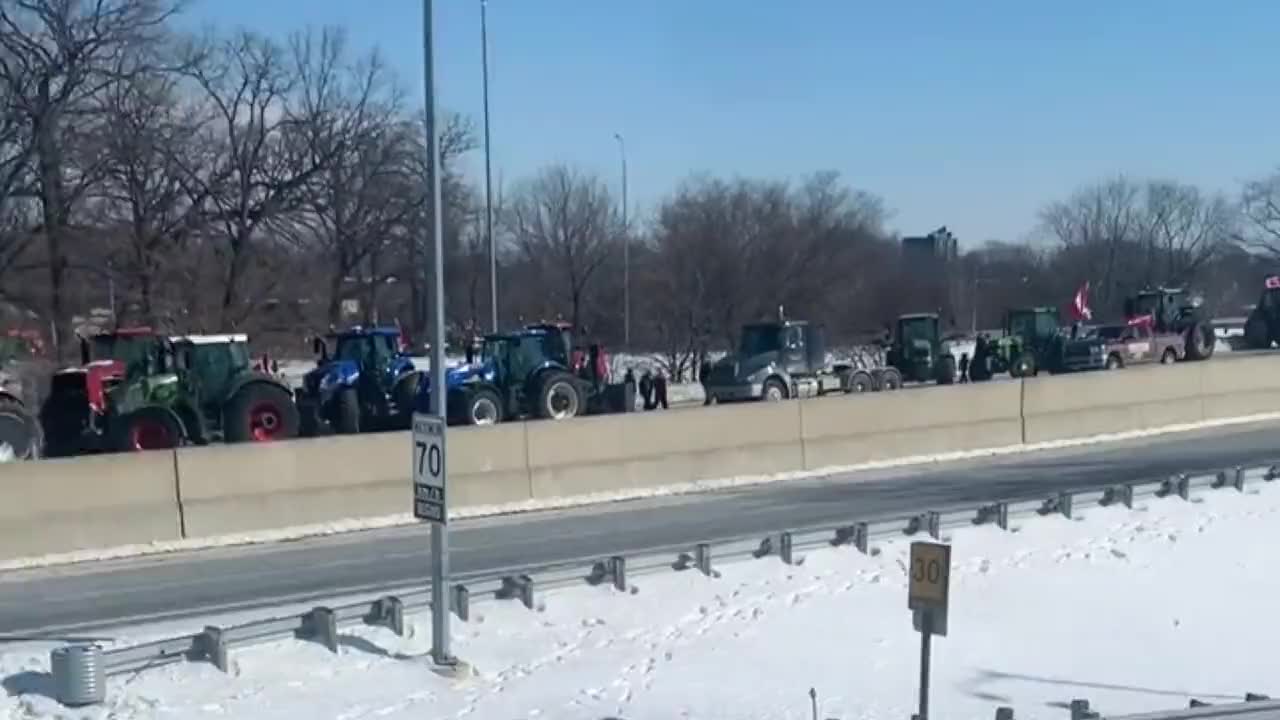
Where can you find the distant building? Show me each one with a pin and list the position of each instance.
(938, 246)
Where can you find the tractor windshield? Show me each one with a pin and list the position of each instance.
(759, 339)
(1032, 324)
(917, 330)
(374, 350)
(1146, 304)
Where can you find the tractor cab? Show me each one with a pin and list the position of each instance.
(365, 381)
(1033, 341)
(917, 351)
(1174, 311)
(1032, 325)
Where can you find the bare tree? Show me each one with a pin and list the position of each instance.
(263, 157)
(54, 56)
(1185, 229)
(564, 224)
(1262, 214)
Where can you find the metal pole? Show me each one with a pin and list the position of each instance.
(488, 172)
(926, 635)
(626, 249)
(439, 535)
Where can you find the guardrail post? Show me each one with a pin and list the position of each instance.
(930, 522)
(212, 646)
(1060, 503)
(1273, 472)
(765, 549)
(785, 550)
(461, 601)
(855, 534)
(1178, 484)
(995, 512)
(702, 558)
(517, 586)
(1118, 494)
(387, 611)
(618, 571)
(320, 624)
(1238, 483)
(1080, 711)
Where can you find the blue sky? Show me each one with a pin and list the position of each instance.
(969, 114)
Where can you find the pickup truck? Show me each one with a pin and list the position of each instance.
(1137, 343)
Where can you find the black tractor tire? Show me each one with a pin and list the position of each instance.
(405, 397)
(148, 428)
(260, 412)
(346, 412)
(308, 422)
(1169, 356)
(1024, 366)
(481, 406)
(860, 381)
(773, 390)
(1257, 333)
(890, 379)
(946, 369)
(21, 435)
(559, 387)
(1200, 342)
(980, 368)
(1115, 362)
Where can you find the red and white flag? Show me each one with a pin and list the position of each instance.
(1080, 304)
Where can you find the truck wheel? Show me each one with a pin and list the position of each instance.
(947, 369)
(1200, 342)
(774, 390)
(890, 379)
(559, 397)
(1169, 357)
(483, 407)
(259, 412)
(860, 381)
(346, 412)
(1115, 362)
(21, 436)
(148, 428)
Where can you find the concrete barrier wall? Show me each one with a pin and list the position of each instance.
(57, 506)
(848, 430)
(1139, 398)
(616, 452)
(93, 502)
(239, 488)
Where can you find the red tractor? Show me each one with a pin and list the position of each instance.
(73, 413)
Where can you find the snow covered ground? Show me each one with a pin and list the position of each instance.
(1133, 610)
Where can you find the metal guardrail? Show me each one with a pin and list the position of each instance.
(321, 624)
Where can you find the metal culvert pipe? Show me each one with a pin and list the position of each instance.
(79, 677)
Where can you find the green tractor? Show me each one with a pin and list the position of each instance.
(918, 352)
(1033, 341)
(198, 389)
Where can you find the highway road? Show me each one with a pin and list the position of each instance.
(91, 596)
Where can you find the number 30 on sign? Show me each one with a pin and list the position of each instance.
(429, 498)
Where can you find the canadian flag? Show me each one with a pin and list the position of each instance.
(1080, 303)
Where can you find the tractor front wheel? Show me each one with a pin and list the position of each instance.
(483, 407)
(346, 412)
(1024, 366)
(1257, 335)
(261, 413)
(21, 436)
(947, 369)
(1200, 342)
(559, 397)
(149, 428)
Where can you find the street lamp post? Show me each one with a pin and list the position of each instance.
(626, 248)
(488, 172)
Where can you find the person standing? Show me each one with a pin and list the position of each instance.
(646, 389)
(660, 390)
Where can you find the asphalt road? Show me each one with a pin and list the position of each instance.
(196, 584)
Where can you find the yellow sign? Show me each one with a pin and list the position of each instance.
(929, 576)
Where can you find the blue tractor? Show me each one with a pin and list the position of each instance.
(366, 383)
(529, 373)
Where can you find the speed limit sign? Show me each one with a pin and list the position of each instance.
(429, 499)
(929, 584)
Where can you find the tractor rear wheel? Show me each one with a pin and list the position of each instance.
(346, 411)
(559, 397)
(259, 412)
(1200, 342)
(21, 436)
(148, 428)
(1257, 336)
(482, 407)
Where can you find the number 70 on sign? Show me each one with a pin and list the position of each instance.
(429, 471)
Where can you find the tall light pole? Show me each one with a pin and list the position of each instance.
(626, 248)
(439, 536)
(488, 172)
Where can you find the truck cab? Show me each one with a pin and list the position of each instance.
(775, 361)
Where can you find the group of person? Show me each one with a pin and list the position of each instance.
(652, 388)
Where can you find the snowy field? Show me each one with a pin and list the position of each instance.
(1133, 610)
